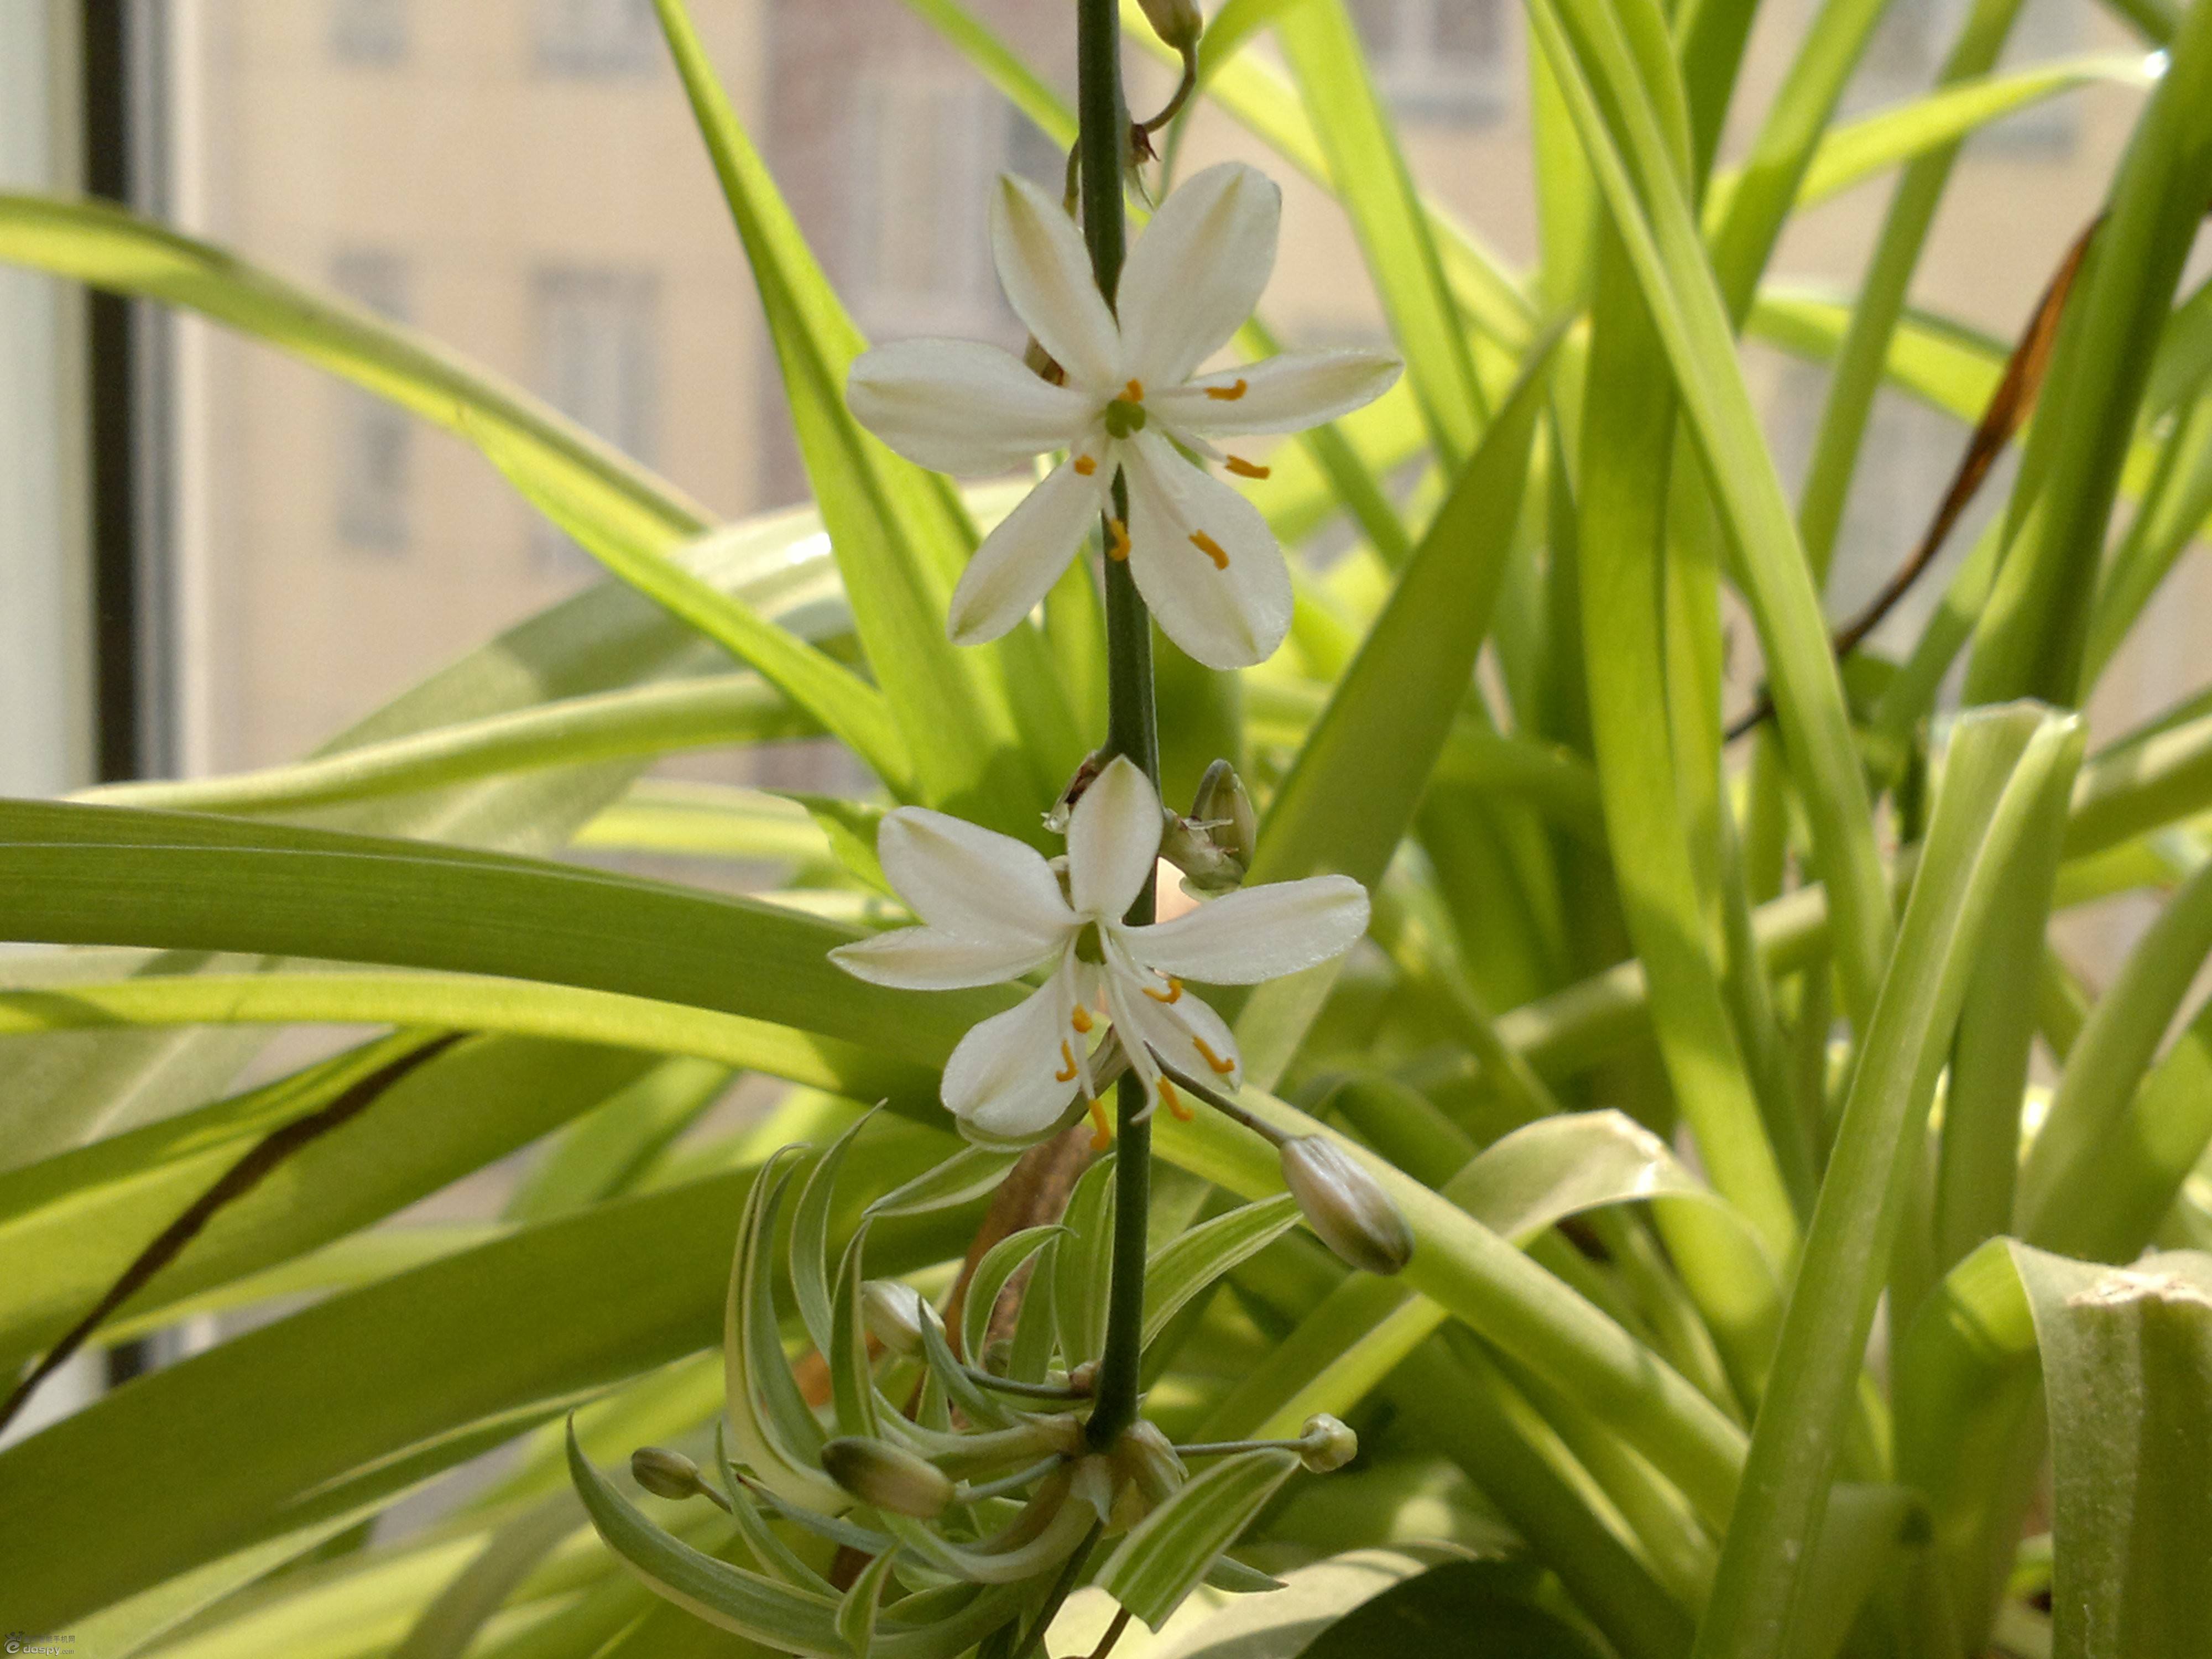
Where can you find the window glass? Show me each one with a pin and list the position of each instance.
(368, 31)
(375, 437)
(596, 36)
(1438, 60)
(598, 348)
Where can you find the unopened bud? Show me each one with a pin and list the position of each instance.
(1213, 847)
(1345, 1206)
(1146, 1473)
(1327, 1444)
(889, 1476)
(893, 1313)
(1177, 22)
(666, 1473)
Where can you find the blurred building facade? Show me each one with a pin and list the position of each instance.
(521, 179)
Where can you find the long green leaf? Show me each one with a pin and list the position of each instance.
(635, 722)
(369, 1392)
(1583, 39)
(2127, 1355)
(107, 247)
(1352, 792)
(637, 551)
(2031, 639)
(898, 533)
(2000, 765)
(93, 875)
(1370, 175)
(1166, 1553)
(2108, 1060)
(74, 1223)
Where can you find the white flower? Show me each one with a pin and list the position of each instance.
(993, 909)
(1202, 556)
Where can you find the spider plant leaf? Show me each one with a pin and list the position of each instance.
(774, 1431)
(1167, 1552)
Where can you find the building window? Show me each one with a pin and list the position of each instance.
(926, 154)
(595, 37)
(368, 31)
(376, 438)
(2045, 29)
(598, 346)
(1438, 60)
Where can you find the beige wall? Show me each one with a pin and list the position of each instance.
(480, 170)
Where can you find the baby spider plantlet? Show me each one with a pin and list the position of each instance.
(972, 1491)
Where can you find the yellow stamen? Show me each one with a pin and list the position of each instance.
(1118, 548)
(1222, 1068)
(1067, 1076)
(1241, 468)
(1085, 466)
(1206, 544)
(1173, 993)
(1134, 391)
(1081, 1019)
(1226, 394)
(1173, 1101)
(1101, 1136)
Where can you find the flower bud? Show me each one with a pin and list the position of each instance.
(666, 1474)
(887, 1476)
(893, 1313)
(1147, 1472)
(1177, 22)
(1345, 1206)
(1213, 847)
(1327, 1444)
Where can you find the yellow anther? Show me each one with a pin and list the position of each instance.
(1244, 469)
(1117, 548)
(1081, 1018)
(1226, 394)
(1134, 391)
(1173, 993)
(1173, 1101)
(1067, 1076)
(1085, 466)
(1101, 1136)
(1206, 544)
(1222, 1068)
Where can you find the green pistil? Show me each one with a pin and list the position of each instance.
(1124, 417)
(1089, 947)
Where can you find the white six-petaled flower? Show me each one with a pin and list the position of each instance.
(991, 909)
(1202, 557)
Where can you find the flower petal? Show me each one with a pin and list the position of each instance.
(1287, 393)
(1231, 615)
(961, 406)
(1025, 554)
(973, 883)
(1046, 271)
(1004, 1077)
(1197, 271)
(931, 959)
(1113, 840)
(1258, 932)
(1185, 1033)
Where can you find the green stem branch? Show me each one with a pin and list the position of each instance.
(1130, 730)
